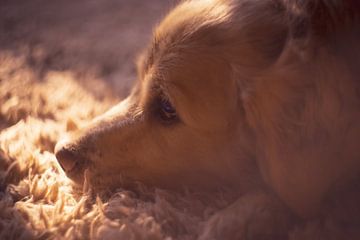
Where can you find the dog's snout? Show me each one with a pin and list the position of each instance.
(66, 157)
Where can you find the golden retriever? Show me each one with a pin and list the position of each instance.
(259, 95)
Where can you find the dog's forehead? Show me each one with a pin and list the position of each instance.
(192, 16)
(179, 29)
(216, 28)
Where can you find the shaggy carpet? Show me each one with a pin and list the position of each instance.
(50, 87)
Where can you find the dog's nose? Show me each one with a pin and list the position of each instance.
(66, 158)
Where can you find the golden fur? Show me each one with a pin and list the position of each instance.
(267, 99)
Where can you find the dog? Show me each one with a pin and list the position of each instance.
(261, 96)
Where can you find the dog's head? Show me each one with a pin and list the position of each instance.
(183, 122)
(226, 87)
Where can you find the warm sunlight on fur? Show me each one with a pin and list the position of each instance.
(242, 124)
(244, 94)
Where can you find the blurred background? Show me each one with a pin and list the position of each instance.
(97, 37)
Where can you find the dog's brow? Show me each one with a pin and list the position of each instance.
(150, 54)
(158, 88)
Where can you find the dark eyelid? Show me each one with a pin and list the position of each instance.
(159, 96)
(167, 105)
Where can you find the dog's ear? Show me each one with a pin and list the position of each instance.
(302, 24)
(314, 23)
(266, 28)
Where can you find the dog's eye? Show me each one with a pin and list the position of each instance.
(167, 111)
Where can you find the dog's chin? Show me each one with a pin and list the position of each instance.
(77, 175)
(89, 178)
(78, 178)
